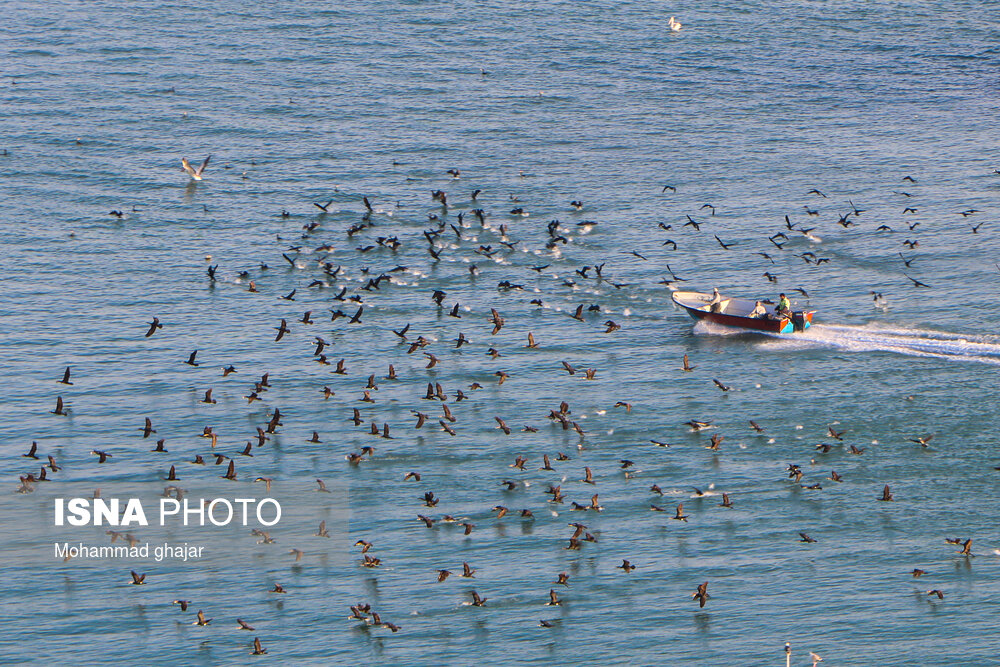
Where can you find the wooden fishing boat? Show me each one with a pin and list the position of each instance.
(733, 312)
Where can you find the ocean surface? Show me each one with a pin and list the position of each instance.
(746, 109)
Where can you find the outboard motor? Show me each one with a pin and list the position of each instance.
(799, 320)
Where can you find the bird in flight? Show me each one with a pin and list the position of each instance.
(196, 174)
(701, 595)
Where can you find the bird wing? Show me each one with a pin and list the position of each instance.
(203, 165)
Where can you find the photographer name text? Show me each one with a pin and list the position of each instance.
(160, 552)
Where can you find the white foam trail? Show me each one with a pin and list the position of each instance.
(903, 331)
(912, 342)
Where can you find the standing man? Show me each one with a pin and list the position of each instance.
(715, 305)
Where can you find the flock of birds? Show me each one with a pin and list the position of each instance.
(459, 226)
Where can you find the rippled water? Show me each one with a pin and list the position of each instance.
(747, 108)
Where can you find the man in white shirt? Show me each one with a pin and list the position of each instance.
(715, 304)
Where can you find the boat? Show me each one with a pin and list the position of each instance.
(733, 312)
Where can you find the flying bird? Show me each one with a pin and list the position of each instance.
(687, 366)
(725, 246)
(195, 174)
(701, 595)
(153, 326)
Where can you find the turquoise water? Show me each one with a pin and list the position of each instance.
(747, 109)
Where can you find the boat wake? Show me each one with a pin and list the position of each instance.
(911, 342)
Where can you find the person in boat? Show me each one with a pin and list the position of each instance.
(784, 308)
(758, 311)
(715, 305)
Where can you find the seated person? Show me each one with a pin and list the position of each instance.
(758, 311)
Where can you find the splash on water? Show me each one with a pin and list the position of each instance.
(913, 342)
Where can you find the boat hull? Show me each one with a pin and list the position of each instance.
(801, 320)
(784, 325)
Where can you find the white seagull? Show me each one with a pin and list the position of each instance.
(192, 172)
(674, 24)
